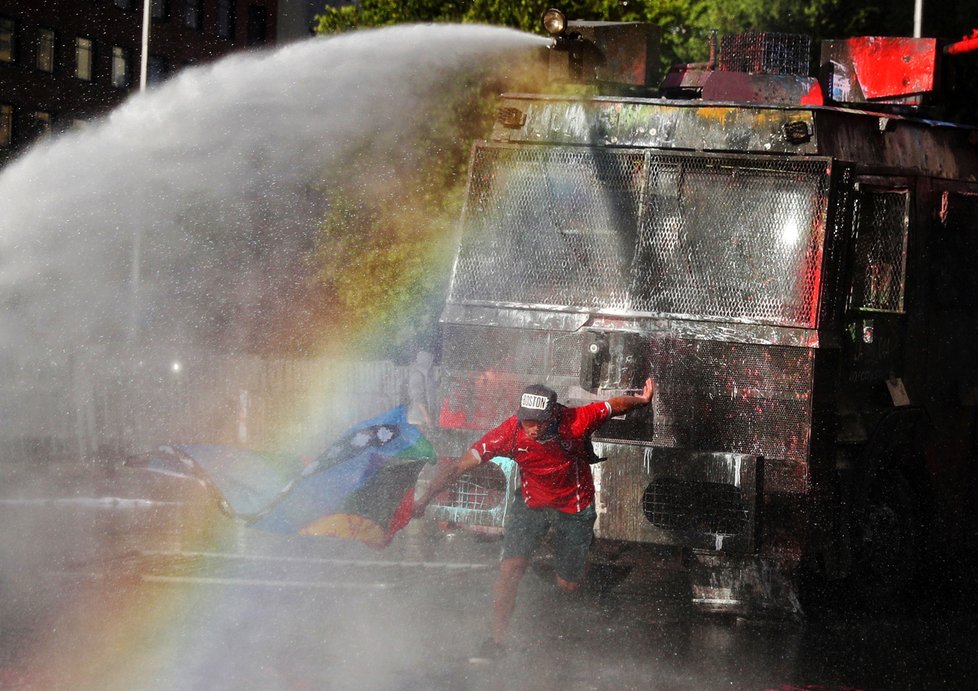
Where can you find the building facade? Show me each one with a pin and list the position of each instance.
(65, 61)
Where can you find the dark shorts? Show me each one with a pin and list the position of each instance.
(573, 533)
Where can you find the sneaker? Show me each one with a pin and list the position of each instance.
(490, 651)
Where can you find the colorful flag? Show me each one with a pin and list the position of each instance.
(360, 488)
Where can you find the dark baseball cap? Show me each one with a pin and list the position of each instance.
(537, 403)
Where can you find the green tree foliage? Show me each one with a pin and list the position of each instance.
(387, 243)
(684, 34)
(385, 252)
(686, 24)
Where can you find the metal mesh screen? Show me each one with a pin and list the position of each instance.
(881, 251)
(480, 489)
(704, 507)
(550, 226)
(723, 241)
(768, 53)
(708, 237)
(714, 396)
(478, 497)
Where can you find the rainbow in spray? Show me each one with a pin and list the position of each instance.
(193, 213)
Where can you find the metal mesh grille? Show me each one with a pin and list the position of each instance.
(714, 238)
(478, 497)
(480, 489)
(769, 53)
(723, 241)
(565, 352)
(880, 253)
(705, 507)
(732, 397)
(550, 226)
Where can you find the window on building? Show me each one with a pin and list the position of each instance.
(225, 18)
(8, 40)
(120, 67)
(123, 4)
(42, 123)
(160, 9)
(157, 69)
(6, 125)
(83, 58)
(257, 25)
(192, 15)
(45, 50)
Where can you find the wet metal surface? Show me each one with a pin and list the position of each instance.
(658, 124)
(133, 599)
(746, 398)
(704, 500)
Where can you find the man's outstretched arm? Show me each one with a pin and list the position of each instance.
(622, 404)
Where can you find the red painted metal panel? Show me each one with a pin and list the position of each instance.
(874, 68)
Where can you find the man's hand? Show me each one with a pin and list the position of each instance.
(622, 404)
(648, 391)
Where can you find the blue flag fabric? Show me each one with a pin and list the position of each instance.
(361, 487)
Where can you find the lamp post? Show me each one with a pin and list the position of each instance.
(144, 55)
(137, 233)
(918, 18)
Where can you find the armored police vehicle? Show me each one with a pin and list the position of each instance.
(790, 257)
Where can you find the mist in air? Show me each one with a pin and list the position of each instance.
(189, 214)
(193, 214)
(191, 210)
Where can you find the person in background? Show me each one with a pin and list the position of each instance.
(421, 391)
(551, 444)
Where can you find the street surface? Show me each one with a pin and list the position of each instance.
(104, 589)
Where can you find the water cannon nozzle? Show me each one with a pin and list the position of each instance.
(554, 22)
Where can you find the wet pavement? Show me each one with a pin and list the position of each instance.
(103, 589)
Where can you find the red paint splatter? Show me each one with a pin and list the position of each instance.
(814, 96)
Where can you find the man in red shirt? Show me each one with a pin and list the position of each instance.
(551, 444)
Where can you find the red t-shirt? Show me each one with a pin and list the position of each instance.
(555, 472)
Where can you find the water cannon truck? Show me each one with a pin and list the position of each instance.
(790, 256)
